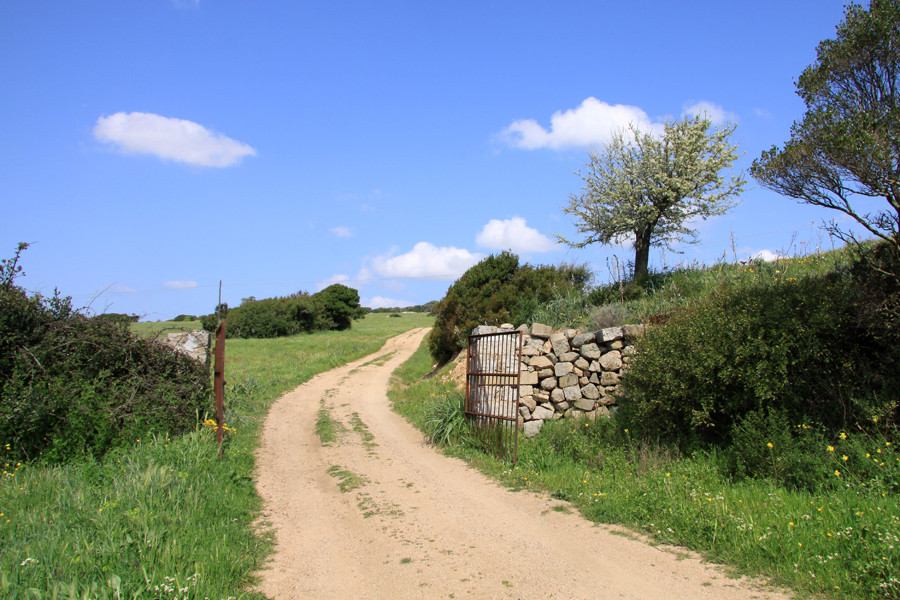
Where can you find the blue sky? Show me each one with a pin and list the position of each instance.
(150, 149)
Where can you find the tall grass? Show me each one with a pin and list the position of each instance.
(165, 518)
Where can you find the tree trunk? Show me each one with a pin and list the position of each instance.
(641, 253)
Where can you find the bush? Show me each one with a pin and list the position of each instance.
(495, 291)
(72, 385)
(791, 351)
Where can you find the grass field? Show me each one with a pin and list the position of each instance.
(161, 328)
(164, 518)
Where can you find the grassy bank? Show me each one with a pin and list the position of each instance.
(841, 542)
(164, 518)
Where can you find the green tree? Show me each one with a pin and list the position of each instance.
(494, 292)
(650, 188)
(338, 306)
(847, 147)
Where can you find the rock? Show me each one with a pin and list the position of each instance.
(582, 364)
(194, 344)
(595, 367)
(583, 381)
(544, 373)
(572, 393)
(584, 404)
(583, 338)
(560, 343)
(539, 330)
(562, 406)
(540, 362)
(591, 351)
(542, 413)
(569, 357)
(557, 395)
(525, 390)
(536, 343)
(530, 351)
(528, 401)
(615, 345)
(562, 368)
(571, 333)
(609, 334)
(609, 378)
(611, 361)
(528, 378)
(607, 400)
(629, 351)
(590, 391)
(603, 412)
(568, 380)
(549, 384)
(594, 379)
(525, 412)
(547, 348)
(484, 330)
(507, 327)
(540, 396)
(532, 428)
(524, 329)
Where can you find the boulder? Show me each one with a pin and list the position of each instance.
(562, 368)
(532, 428)
(583, 338)
(590, 391)
(609, 378)
(542, 413)
(540, 362)
(584, 404)
(549, 384)
(591, 351)
(539, 330)
(611, 361)
(572, 392)
(559, 343)
(609, 334)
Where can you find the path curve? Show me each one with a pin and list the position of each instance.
(422, 525)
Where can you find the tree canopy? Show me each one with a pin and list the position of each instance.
(846, 149)
(651, 188)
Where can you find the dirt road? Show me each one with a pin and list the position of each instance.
(379, 514)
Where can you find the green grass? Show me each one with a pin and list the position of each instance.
(161, 328)
(841, 542)
(165, 514)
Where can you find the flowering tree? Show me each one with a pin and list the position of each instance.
(651, 188)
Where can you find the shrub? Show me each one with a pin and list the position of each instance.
(792, 350)
(72, 385)
(337, 306)
(495, 291)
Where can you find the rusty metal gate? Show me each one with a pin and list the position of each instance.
(492, 391)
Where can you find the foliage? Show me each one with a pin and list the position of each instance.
(181, 318)
(652, 188)
(336, 307)
(166, 512)
(118, 317)
(428, 307)
(794, 349)
(846, 145)
(72, 385)
(495, 291)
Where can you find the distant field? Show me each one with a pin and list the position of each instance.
(161, 328)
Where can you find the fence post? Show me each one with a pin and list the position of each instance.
(219, 384)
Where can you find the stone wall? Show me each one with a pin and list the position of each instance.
(569, 373)
(194, 344)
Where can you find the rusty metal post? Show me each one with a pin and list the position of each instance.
(219, 384)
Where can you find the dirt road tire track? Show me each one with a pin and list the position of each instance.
(412, 523)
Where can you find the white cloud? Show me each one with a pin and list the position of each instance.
(766, 255)
(170, 139)
(513, 234)
(592, 123)
(382, 302)
(336, 278)
(181, 285)
(341, 231)
(427, 260)
(715, 113)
